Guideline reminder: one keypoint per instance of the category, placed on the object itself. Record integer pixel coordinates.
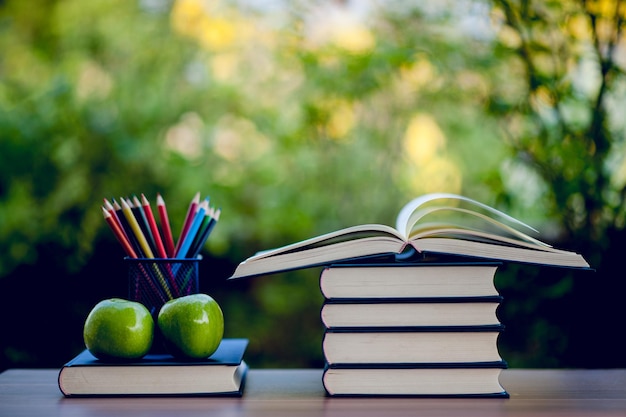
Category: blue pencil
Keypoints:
(199, 243)
(193, 229)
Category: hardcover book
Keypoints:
(419, 345)
(408, 280)
(158, 374)
(411, 312)
(462, 380)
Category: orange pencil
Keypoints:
(191, 214)
(165, 225)
(119, 234)
(153, 227)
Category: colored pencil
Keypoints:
(142, 219)
(191, 212)
(165, 227)
(127, 229)
(192, 230)
(109, 207)
(204, 235)
(130, 252)
(128, 213)
(215, 218)
(160, 249)
(208, 216)
(119, 233)
(132, 221)
(136, 228)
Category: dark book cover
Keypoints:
(409, 300)
(427, 365)
(229, 353)
(416, 329)
(411, 257)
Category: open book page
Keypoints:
(419, 207)
(338, 236)
(485, 250)
(320, 255)
(472, 222)
(451, 231)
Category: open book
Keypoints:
(439, 223)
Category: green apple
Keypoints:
(118, 329)
(192, 326)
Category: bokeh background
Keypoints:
(299, 118)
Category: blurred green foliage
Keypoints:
(301, 119)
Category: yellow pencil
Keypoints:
(132, 221)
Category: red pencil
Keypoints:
(165, 225)
(119, 234)
(191, 214)
(153, 227)
(109, 207)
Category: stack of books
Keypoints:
(411, 329)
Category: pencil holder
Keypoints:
(153, 282)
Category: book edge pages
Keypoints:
(353, 283)
(125, 381)
(406, 382)
(411, 347)
(407, 314)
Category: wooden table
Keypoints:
(299, 392)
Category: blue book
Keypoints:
(222, 374)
